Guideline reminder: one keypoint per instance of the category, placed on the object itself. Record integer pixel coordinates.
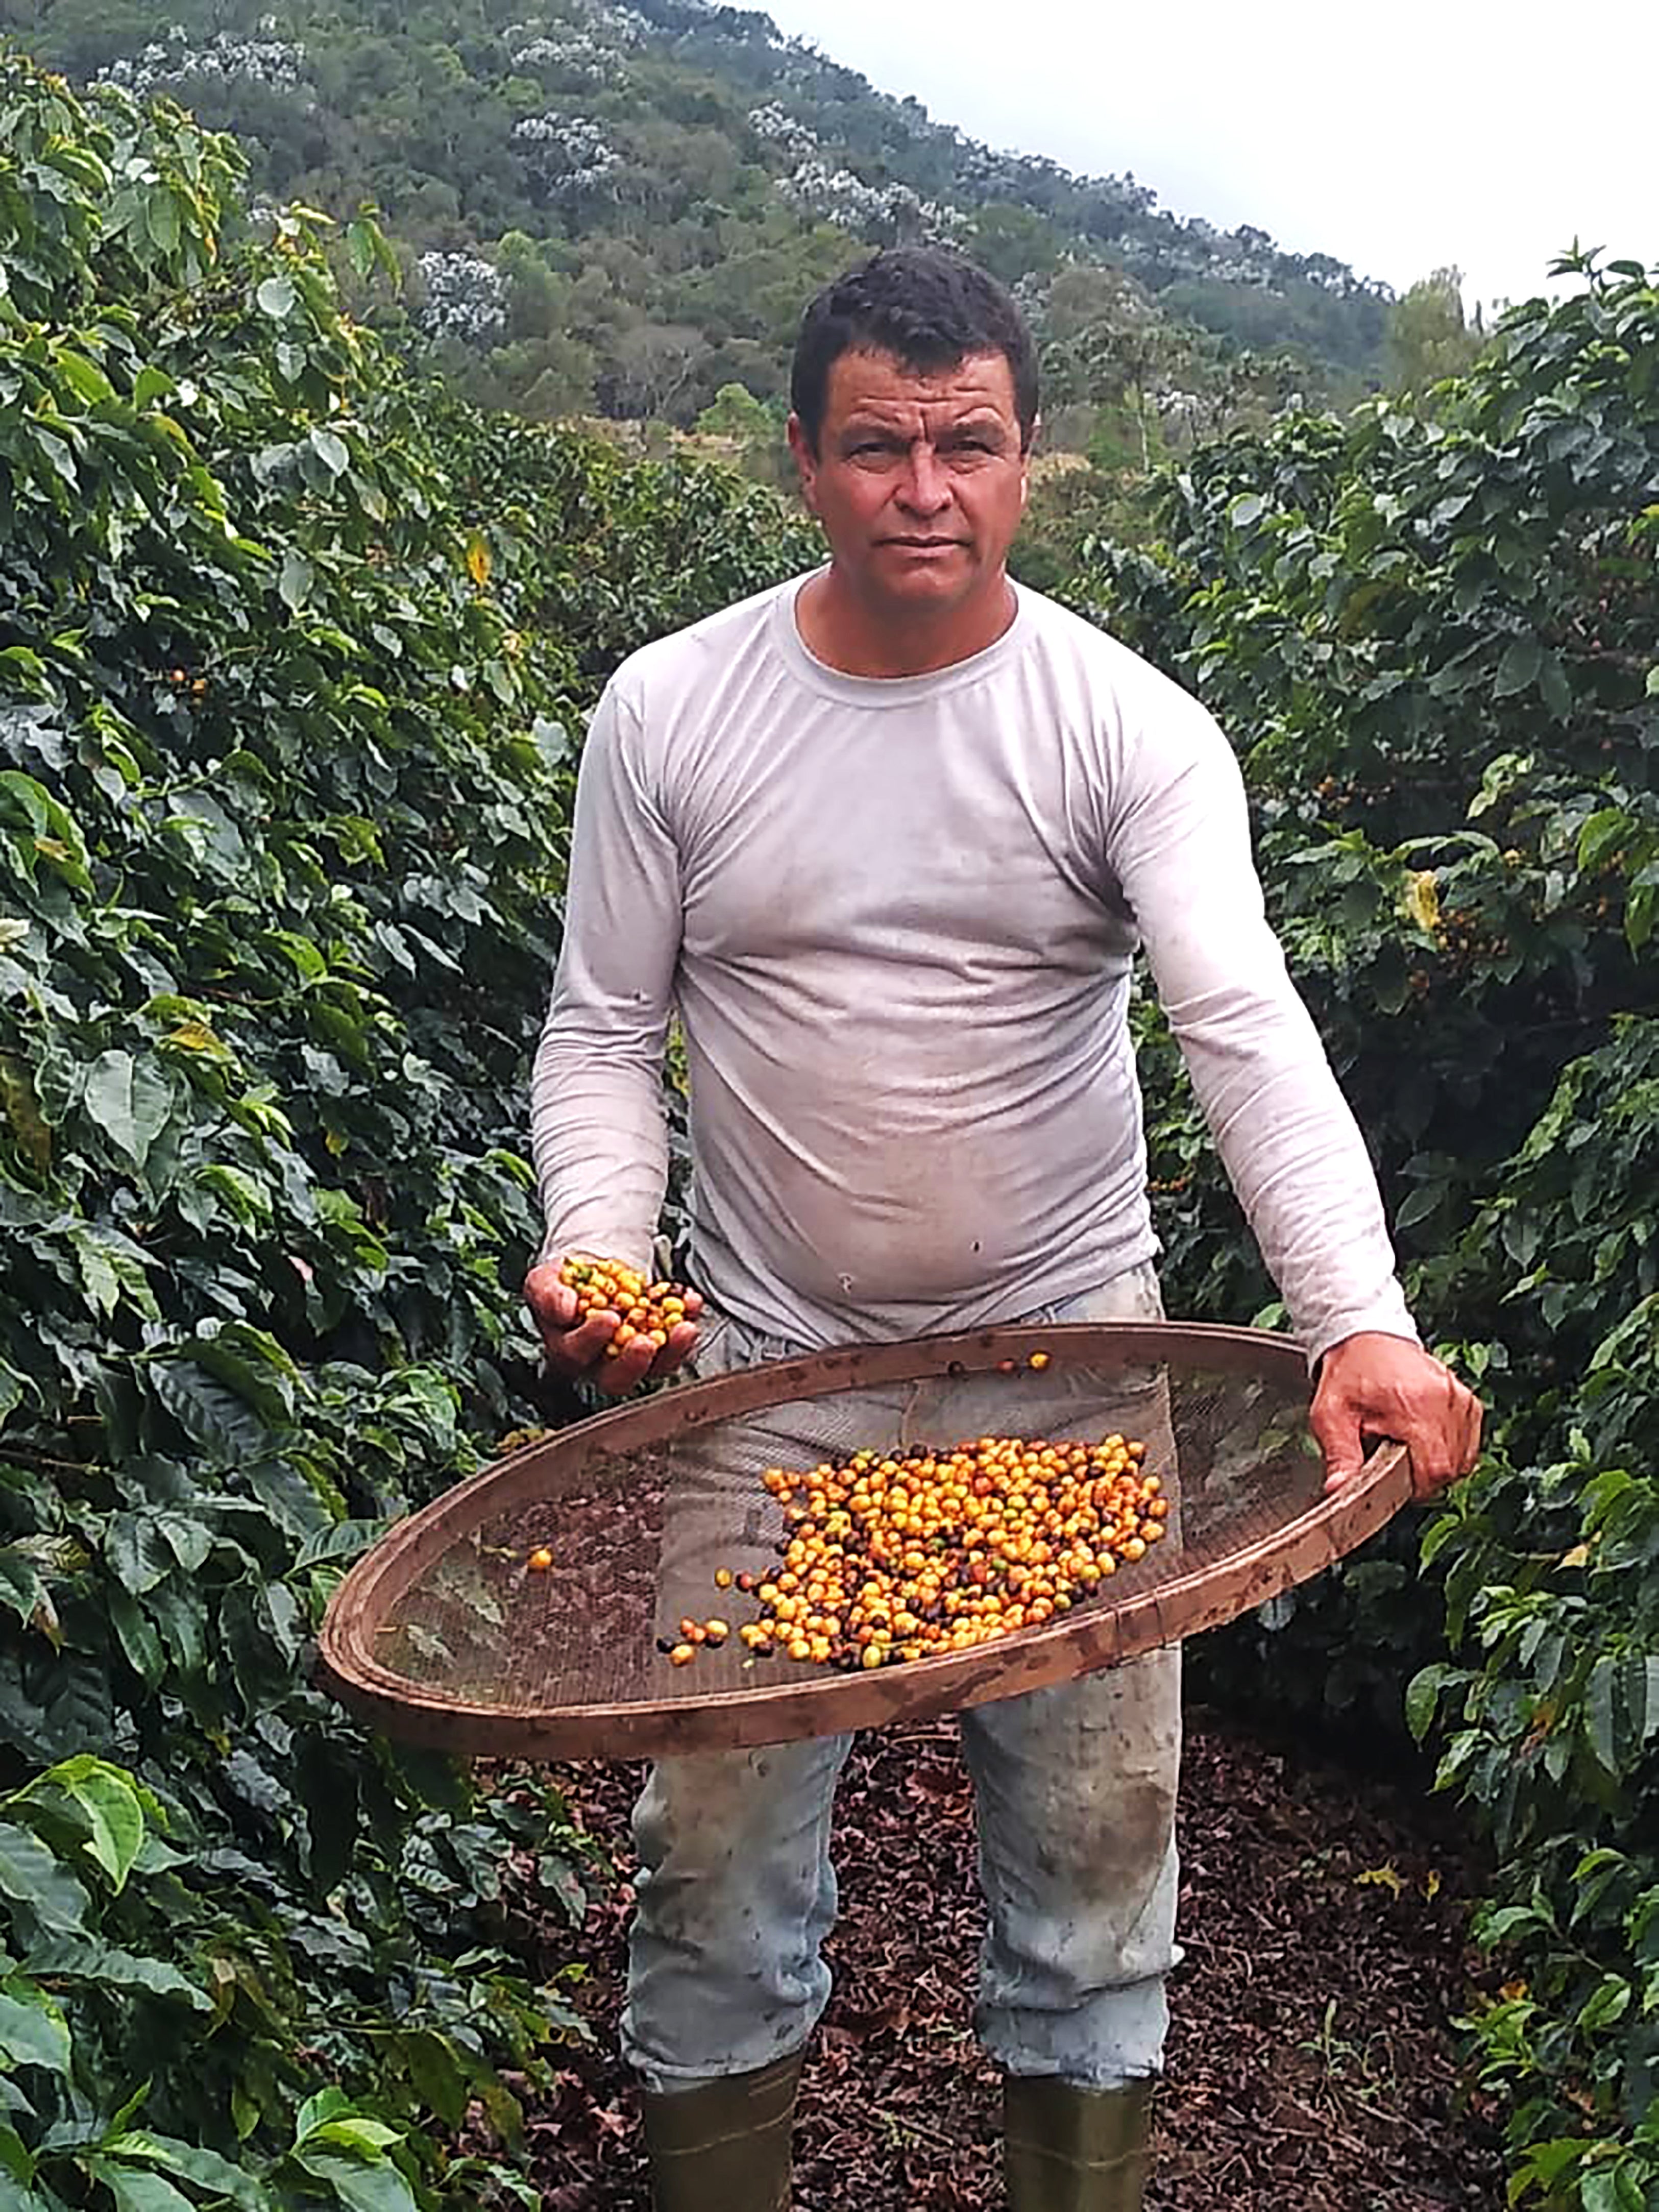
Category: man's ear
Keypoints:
(805, 459)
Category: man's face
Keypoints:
(919, 479)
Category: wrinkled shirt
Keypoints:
(899, 919)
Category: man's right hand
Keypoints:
(574, 1346)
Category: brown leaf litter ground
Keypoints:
(1312, 2063)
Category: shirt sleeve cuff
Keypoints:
(1387, 1317)
(635, 1247)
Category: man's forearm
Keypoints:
(1295, 1157)
(597, 1130)
(599, 1139)
(1285, 1133)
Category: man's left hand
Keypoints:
(1379, 1386)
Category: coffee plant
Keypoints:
(294, 657)
(1433, 644)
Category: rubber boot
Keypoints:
(1067, 2149)
(724, 2145)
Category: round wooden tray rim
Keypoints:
(781, 1710)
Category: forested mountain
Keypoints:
(616, 209)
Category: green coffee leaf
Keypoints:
(16, 2159)
(251, 1363)
(193, 2163)
(83, 377)
(110, 1805)
(436, 2075)
(32, 2029)
(137, 1552)
(320, 2107)
(295, 582)
(277, 297)
(33, 1875)
(1519, 667)
(135, 2188)
(357, 2186)
(15, 2197)
(1606, 2005)
(1599, 1718)
(112, 1268)
(162, 220)
(1609, 2189)
(21, 1590)
(111, 1967)
(217, 1418)
(364, 2138)
(129, 1100)
(331, 451)
(137, 1635)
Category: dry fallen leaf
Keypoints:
(1383, 1877)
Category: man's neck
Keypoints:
(847, 634)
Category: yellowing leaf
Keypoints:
(196, 1036)
(23, 1112)
(1421, 901)
(478, 560)
(1578, 1557)
(1383, 1877)
(1432, 1882)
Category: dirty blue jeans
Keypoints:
(1074, 1791)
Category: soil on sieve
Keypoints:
(1311, 2061)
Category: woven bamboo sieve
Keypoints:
(444, 1634)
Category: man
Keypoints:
(889, 838)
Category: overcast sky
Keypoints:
(1398, 137)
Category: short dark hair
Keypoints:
(926, 306)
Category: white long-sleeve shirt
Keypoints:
(898, 918)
